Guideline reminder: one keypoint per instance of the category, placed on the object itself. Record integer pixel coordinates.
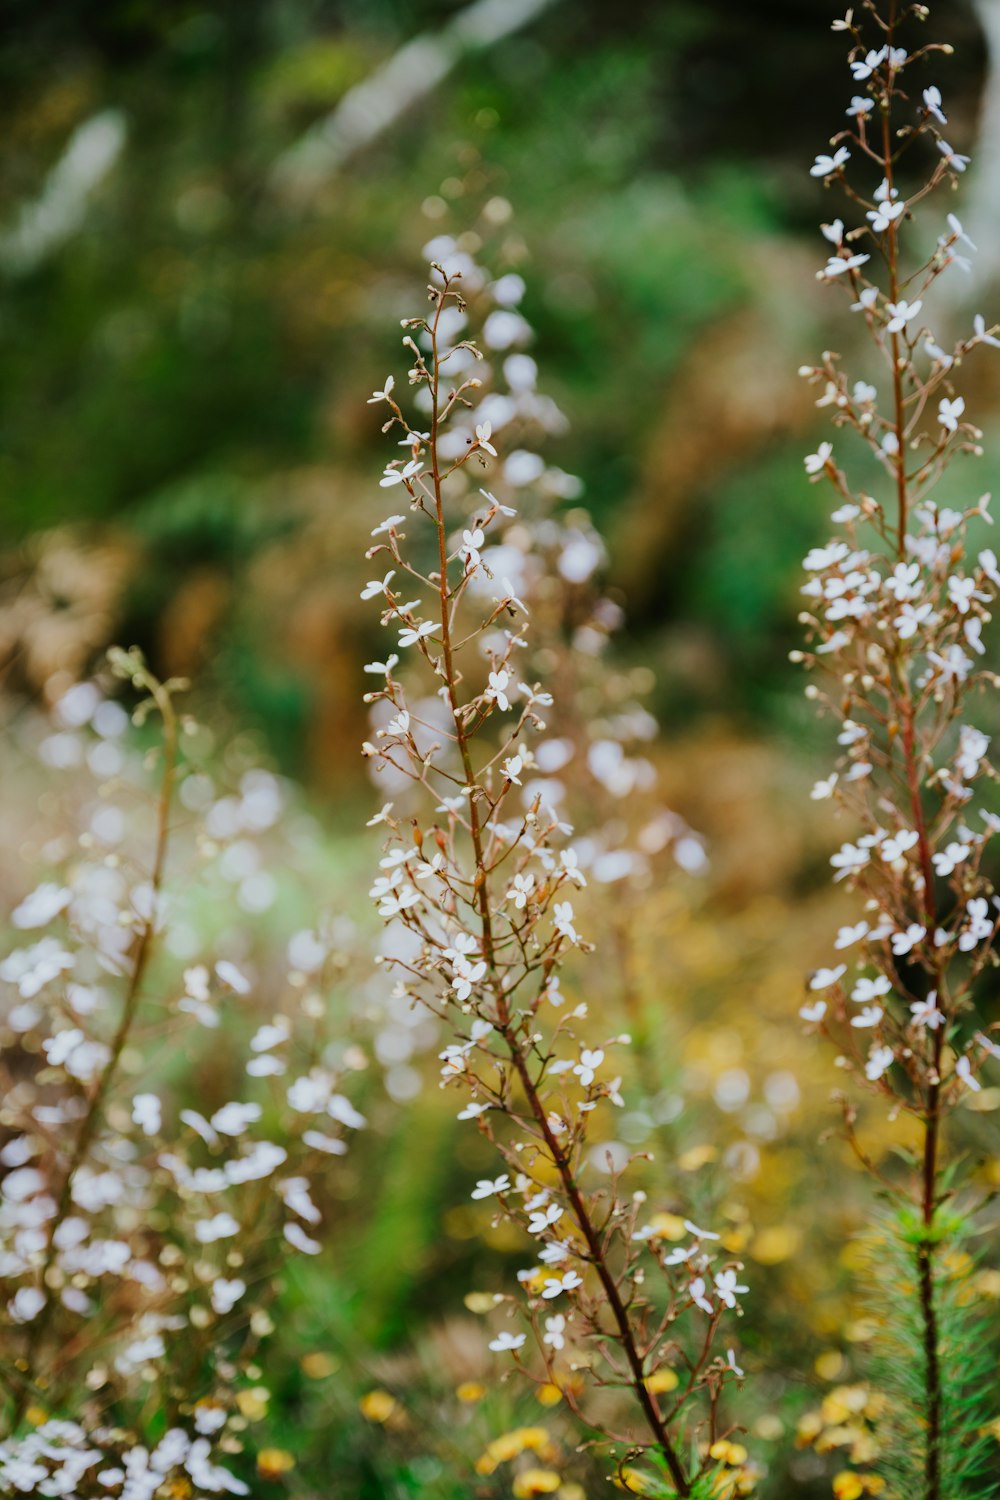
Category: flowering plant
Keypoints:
(140, 1239)
(479, 877)
(897, 602)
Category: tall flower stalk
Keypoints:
(476, 879)
(897, 604)
(140, 1239)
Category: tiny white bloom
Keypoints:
(486, 1187)
(506, 1341)
(384, 393)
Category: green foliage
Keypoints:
(967, 1350)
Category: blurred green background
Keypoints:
(199, 287)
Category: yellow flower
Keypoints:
(667, 1227)
(36, 1415)
(273, 1462)
(725, 1452)
(847, 1486)
(377, 1406)
(549, 1394)
(632, 1480)
(536, 1482)
(253, 1402)
(663, 1381)
(510, 1444)
(318, 1366)
(469, 1391)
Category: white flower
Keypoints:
(950, 411)
(816, 462)
(297, 1237)
(555, 1329)
(542, 1219)
(384, 393)
(731, 1362)
(868, 989)
(520, 890)
(905, 942)
(814, 1012)
(497, 687)
(946, 860)
(506, 1341)
(848, 860)
(887, 213)
(972, 748)
(231, 976)
(373, 586)
(696, 1292)
(825, 166)
(848, 936)
(823, 979)
(880, 1059)
(388, 524)
(954, 665)
(590, 1061)
(838, 265)
(146, 1113)
(932, 103)
(700, 1234)
(31, 969)
(565, 1283)
(979, 329)
(562, 921)
(44, 903)
(24, 1307)
(393, 476)
(963, 1070)
(988, 563)
(381, 668)
(893, 848)
(910, 618)
(226, 1294)
(472, 541)
(980, 924)
(863, 67)
(486, 1186)
(233, 1119)
(484, 432)
(414, 633)
(870, 1016)
(512, 768)
(220, 1227)
(961, 591)
(953, 158)
(926, 1012)
(727, 1287)
(901, 313)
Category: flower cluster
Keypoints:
(138, 1233)
(480, 880)
(896, 606)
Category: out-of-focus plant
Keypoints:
(896, 611)
(140, 1240)
(477, 873)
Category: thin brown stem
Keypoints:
(133, 994)
(625, 1333)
